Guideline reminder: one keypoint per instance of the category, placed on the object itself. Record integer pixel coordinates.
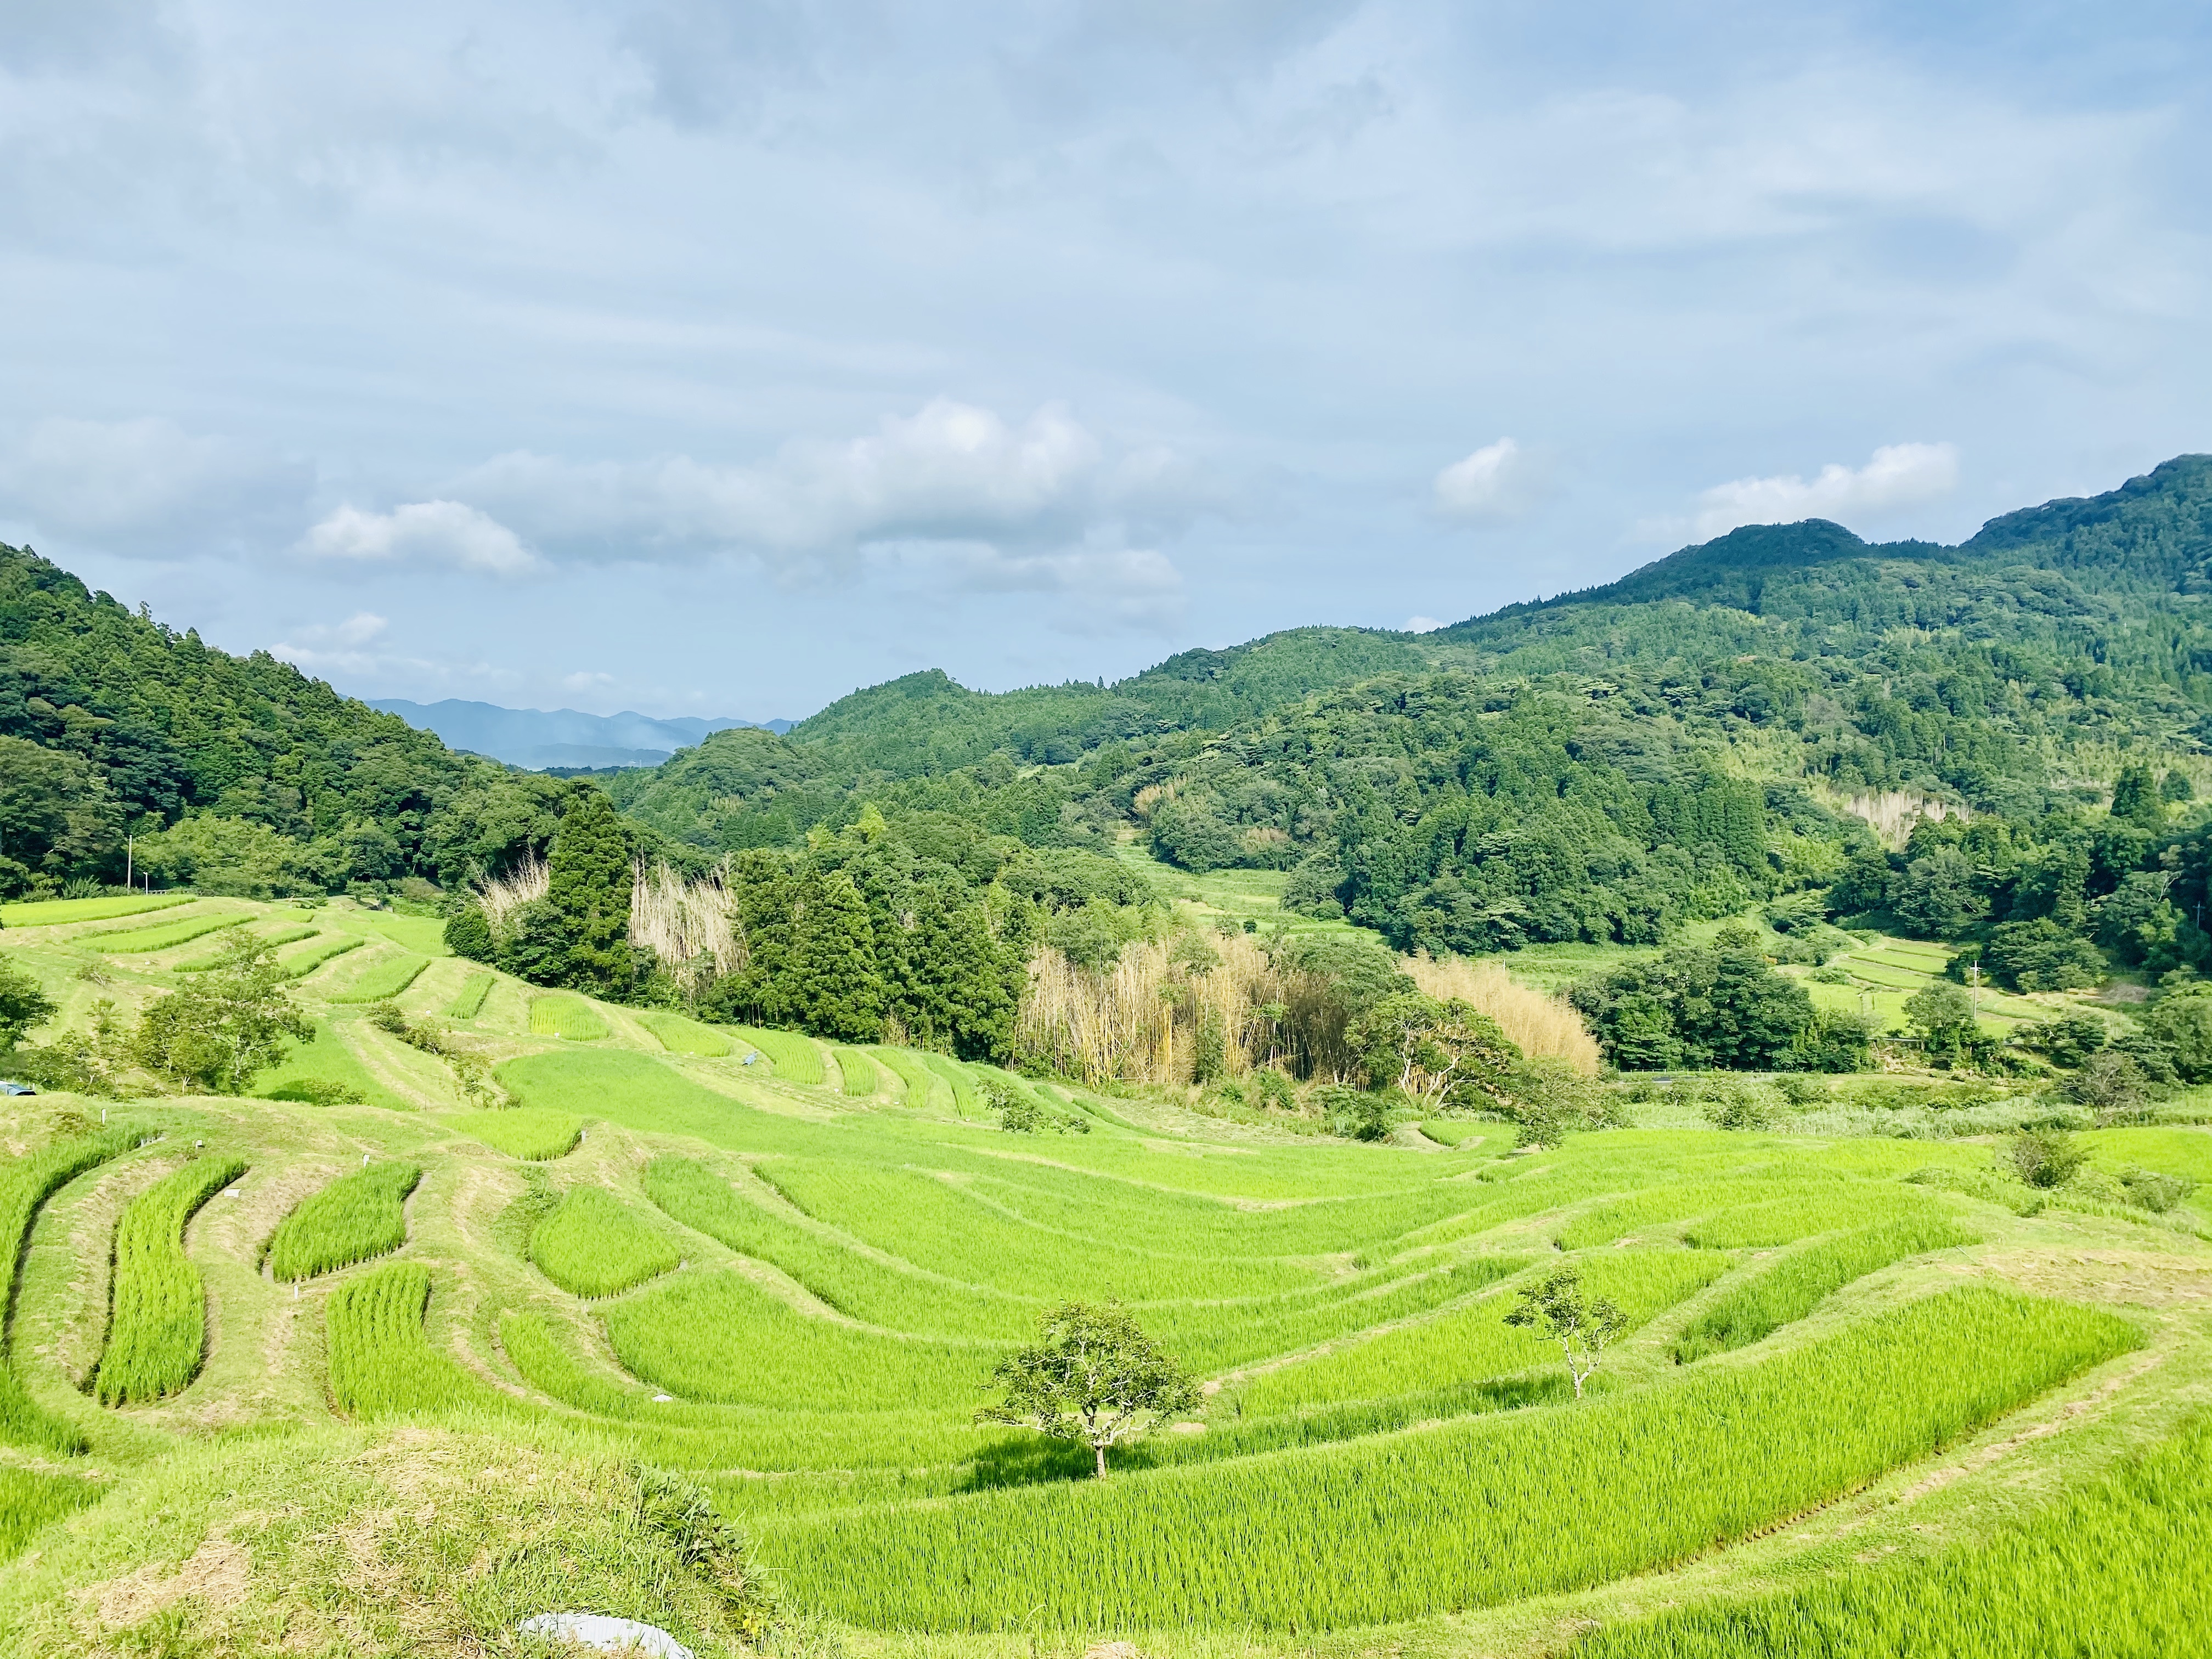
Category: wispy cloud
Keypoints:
(431, 532)
(1898, 476)
(1499, 483)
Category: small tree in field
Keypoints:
(1093, 1376)
(1556, 1309)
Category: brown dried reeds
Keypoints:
(1166, 1007)
(1540, 1023)
(688, 924)
(525, 884)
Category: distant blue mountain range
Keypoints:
(535, 739)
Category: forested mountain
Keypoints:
(239, 771)
(1600, 766)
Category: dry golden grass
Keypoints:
(1145, 1019)
(501, 896)
(1538, 1022)
(689, 925)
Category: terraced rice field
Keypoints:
(795, 1292)
(144, 941)
(468, 1002)
(1886, 971)
(380, 981)
(570, 1018)
(60, 912)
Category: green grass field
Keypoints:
(1866, 1382)
(60, 912)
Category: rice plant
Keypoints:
(469, 1001)
(680, 1035)
(718, 1336)
(856, 1072)
(925, 1089)
(1459, 1131)
(1785, 1221)
(592, 1244)
(1476, 1341)
(571, 1018)
(29, 1498)
(382, 981)
(26, 1183)
(2115, 1568)
(379, 1364)
(281, 936)
(527, 1132)
(157, 1320)
(967, 1099)
(1467, 1514)
(298, 965)
(143, 940)
(357, 1216)
(795, 1058)
(1800, 1280)
(56, 913)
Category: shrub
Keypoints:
(2045, 1157)
(1735, 1106)
(2113, 1086)
(2154, 1190)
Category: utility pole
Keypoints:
(130, 845)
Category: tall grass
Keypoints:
(529, 1132)
(689, 924)
(680, 1035)
(526, 883)
(29, 1498)
(856, 1072)
(26, 1183)
(2115, 1569)
(380, 981)
(1140, 1020)
(1464, 1515)
(591, 1244)
(1803, 1279)
(469, 1001)
(1538, 1022)
(357, 1216)
(571, 1018)
(142, 940)
(157, 1324)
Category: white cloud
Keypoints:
(1499, 482)
(145, 485)
(1899, 475)
(585, 679)
(433, 532)
(1102, 590)
(951, 472)
(1422, 624)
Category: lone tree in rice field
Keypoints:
(227, 1026)
(1093, 1376)
(1555, 1308)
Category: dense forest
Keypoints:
(1749, 726)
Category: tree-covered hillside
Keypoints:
(237, 775)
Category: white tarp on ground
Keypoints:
(599, 1629)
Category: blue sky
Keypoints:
(713, 359)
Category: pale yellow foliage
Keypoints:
(1539, 1023)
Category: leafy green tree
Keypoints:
(2041, 956)
(831, 985)
(226, 1026)
(1444, 1053)
(1550, 1100)
(469, 934)
(2067, 1040)
(1555, 1308)
(1093, 1376)
(2110, 1084)
(589, 886)
(2182, 1021)
(1724, 1009)
(2136, 801)
(1936, 897)
(1944, 1015)
(23, 1004)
